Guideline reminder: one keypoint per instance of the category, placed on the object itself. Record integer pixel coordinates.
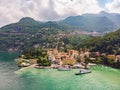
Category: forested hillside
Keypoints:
(29, 33)
(109, 43)
(65, 34)
(103, 22)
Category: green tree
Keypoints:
(43, 61)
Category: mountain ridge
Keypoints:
(28, 32)
(103, 22)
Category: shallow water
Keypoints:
(13, 78)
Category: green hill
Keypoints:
(66, 33)
(102, 22)
(29, 33)
(109, 43)
(29, 25)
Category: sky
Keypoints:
(12, 11)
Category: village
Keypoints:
(70, 59)
(67, 58)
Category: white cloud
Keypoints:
(65, 7)
(12, 10)
(113, 7)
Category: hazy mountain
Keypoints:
(29, 25)
(28, 32)
(102, 22)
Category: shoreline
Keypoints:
(57, 67)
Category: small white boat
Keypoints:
(63, 69)
(39, 67)
(83, 71)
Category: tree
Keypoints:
(43, 61)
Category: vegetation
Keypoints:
(30, 33)
(102, 22)
(43, 61)
(109, 43)
(32, 53)
(69, 62)
(37, 53)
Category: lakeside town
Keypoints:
(53, 58)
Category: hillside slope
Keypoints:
(29, 33)
(103, 22)
(109, 43)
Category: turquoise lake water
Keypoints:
(13, 78)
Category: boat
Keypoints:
(83, 71)
(39, 67)
(63, 69)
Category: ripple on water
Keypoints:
(101, 78)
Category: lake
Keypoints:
(14, 78)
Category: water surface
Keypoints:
(13, 78)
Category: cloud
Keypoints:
(77, 7)
(113, 7)
(44, 10)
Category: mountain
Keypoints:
(27, 33)
(29, 25)
(103, 22)
(28, 20)
(23, 25)
(109, 43)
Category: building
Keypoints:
(117, 59)
(58, 57)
